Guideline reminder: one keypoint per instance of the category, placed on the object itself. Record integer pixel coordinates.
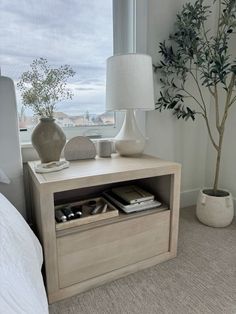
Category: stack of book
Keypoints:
(131, 198)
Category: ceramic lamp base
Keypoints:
(129, 141)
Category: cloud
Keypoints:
(75, 32)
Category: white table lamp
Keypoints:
(129, 87)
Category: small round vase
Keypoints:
(48, 139)
(215, 211)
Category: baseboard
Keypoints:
(189, 198)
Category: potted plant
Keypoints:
(41, 88)
(194, 52)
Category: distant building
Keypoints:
(80, 120)
(65, 120)
(107, 118)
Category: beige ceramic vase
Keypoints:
(215, 211)
(48, 139)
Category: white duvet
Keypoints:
(21, 284)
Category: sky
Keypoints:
(74, 32)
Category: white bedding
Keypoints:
(21, 284)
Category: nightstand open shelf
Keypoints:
(79, 257)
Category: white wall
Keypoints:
(187, 142)
(169, 138)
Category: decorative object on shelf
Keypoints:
(68, 213)
(41, 88)
(88, 211)
(129, 87)
(104, 148)
(48, 139)
(132, 194)
(204, 57)
(59, 216)
(52, 166)
(131, 208)
(79, 147)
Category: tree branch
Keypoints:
(228, 101)
(205, 111)
(204, 114)
(210, 133)
(232, 101)
(207, 40)
(199, 90)
(217, 108)
(190, 95)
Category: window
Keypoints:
(74, 32)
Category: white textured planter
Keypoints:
(215, 211)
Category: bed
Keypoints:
(21, 284)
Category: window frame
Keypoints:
(129, 20)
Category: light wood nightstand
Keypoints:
(85, 256)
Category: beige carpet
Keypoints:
(202, 279)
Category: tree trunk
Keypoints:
(218, 160)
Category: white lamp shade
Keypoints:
(129, 82)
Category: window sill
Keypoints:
(26, 145)
(29, 153)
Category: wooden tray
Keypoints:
(87, 218)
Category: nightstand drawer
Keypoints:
(90, 253)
